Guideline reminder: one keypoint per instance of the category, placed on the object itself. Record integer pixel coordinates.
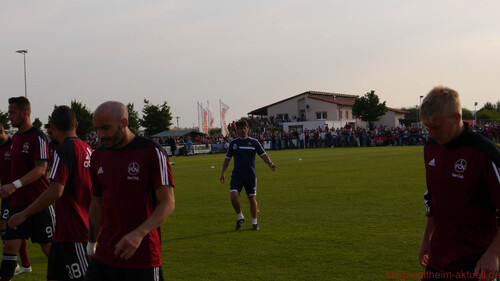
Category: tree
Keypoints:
(467, 114)
(37, 123)
(84, 118)
(411, 112)
(4, 119)
(368, 108)
(488, 106)
(155, 118)
(133, 118)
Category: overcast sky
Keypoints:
(247, 53)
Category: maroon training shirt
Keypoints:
(27, 148)
(463, 196)
(71, 169)
(126, 179)
(5, 162)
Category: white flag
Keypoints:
(223, 110)
(210, 117)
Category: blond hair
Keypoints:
(442, 100)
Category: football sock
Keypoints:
(240, 216)
(23, 253)
(254, 220)
(9, 263)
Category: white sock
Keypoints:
(240, 216)
(254, 220)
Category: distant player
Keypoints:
(133, 192)
(244, 174)
(463, 193)
(29, 156)
(52, 145)
(5, 143)
(69, 189)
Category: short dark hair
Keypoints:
(63, 118)
(22, 103)
(241, 124)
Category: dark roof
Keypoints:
(324, 96)
(177, 133)
(397, 110)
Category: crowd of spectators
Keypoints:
(319, 137)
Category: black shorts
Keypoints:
(5, 210)
(99, 271)
(39, 227)
(67, 261)
(249, 182)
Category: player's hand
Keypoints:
(16, 219)
(222, 178)
(273, 167)
(423, 254)
(127, 246)
(486, 267)
(7, 190)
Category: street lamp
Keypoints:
(25, 85)
(475, 113)
(177, 122)
(419, 107)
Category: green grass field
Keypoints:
(338, 214)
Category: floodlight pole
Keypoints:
(25, 84)
(475, 113)
(419, 107)
(177, 121)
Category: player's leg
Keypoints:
(235, 188)
(251, 190)
(25, 261)
(9, 258)
(42, 228)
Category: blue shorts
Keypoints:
(249, 182)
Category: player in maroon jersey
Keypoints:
(29, 155)
(463, 193)
(52, 145)
(133, 192)
(5, 143)
(70, 191)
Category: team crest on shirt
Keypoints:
(460, 167)
(26, 147)
(235, 147)
(7, 155)
(249, 143)
(133, 170)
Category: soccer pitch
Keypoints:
(337, 214)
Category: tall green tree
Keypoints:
(488, 106)
(155, 118)
(467, 114)
(37, 123)
(368, 107)
(133, 118)
(4, 119)
(84, 118)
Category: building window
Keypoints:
(340, 114)
(347, 115)
(282, 117)
(321, 115)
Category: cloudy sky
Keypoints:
(247, 53)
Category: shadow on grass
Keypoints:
(206, 235)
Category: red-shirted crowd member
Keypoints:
(133, 193)
(463, 192)
(5, 143)
(69, 189)
(29, 155)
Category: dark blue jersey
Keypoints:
(244, 151)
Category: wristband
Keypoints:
(17, 183)
(91, 246)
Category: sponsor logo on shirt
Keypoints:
(7, 155)
(460, 167)
(133, 170)
(432, 162)
(26, 147)
(100, 171)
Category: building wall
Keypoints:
(290, 107)
(390, 119)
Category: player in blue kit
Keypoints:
(244, 174)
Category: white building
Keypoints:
(311, 109)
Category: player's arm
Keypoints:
(127, 246)
(34, 174)
(423, 253)
(95, 219)
(225, 165)
(489, 260)
(268, 161)
(47, 198)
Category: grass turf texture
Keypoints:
(338, 214)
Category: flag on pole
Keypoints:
(223, 110)
(203, 114)
(210, 117)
